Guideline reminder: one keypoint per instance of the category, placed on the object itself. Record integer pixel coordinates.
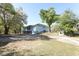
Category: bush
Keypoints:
(69, 33)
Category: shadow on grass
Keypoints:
(76, 35)
(3, 43)
(5, 39)
(44, 37)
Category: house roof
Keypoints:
(40, 25)
(31, 26)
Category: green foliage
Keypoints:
(17, 22)
(67, 21)
(48, 16)
(11, 19)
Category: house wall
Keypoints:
(38, 29)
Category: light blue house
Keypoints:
(39, 28)
(34, 29)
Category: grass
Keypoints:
(40, 48)
(43, 47)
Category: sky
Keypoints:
(32, 10)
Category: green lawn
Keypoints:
(40, 47)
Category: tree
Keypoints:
(18, 20)
(48, 16)
(6, 11)
(1, 26)
(12, 19)
(67, 21)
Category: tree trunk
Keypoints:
(49, 28)
(20, 30)
(6, 30)
(15, 31)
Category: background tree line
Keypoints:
(65, 21)
(12, 20)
